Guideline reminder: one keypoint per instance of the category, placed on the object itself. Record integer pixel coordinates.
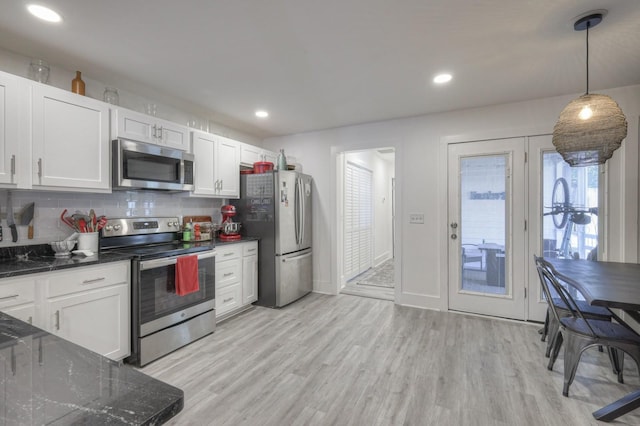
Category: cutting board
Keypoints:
(207, 232)
(195, 219)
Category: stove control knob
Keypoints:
(176, 224)
(116, 227)
(108, 228)
(170, 224)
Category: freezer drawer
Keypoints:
(293, 276)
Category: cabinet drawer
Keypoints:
(250, 248)
(228, 299)
(16, 292)
(230, 251)
(88, 278)
(228, 273)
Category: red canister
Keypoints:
(262, 166)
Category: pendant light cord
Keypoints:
(588, 25)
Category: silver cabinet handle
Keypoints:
(160, 132)
(13, 296)
(251, 249)
(30, 320)
(58, 320)
(40, 169)
(13, 166)
(228, 254)
(95, 280)
(227, 300)
(228, 274)
(221, 184)
(155, 133)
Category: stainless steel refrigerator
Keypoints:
(276, 207)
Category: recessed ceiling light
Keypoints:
(442, 78)
(262, 114)
(44, 13)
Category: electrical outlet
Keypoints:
(416, 217)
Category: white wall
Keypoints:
(421, 179)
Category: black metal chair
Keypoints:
(582, 333)
(551, 325)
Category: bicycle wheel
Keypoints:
(560, 203)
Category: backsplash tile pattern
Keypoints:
(50, 204)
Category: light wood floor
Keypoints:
(347, 360)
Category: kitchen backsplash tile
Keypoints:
(49, 206)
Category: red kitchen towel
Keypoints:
(187, 275)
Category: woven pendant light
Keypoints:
(591, 127)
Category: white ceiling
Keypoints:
(321, 64)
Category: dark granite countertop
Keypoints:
(243, 240)
(25, 260)
(47, 380)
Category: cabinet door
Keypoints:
(26, 313)
(270, 156)
(173, 135)
(203, 147)
(227, 167)
(250, 154)
(8, 128)
(70, 140)
(97, 320)
(249, 279)
(135, 126)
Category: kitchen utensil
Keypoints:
(26, 218)
(92, 221)
(10, 219)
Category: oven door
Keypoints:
(159, 306)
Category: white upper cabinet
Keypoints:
(250, 154)
(133, 125)
(217, 165)
(203, 147)
(227, 167)
(9, 128)
(70, 140)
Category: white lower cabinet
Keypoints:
(17, 298)
(236, 277)
(250, 272)
(89, 305)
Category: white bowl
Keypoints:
(62, 248)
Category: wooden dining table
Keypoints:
(612, 285)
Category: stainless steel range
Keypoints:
(162, 321)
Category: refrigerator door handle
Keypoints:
(302, 207)
(296, 213)
(302, 256)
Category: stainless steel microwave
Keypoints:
(138, 165)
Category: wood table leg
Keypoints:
(618, 408)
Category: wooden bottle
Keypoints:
(77, 85)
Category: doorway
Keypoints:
(509, 199)
(366, 204)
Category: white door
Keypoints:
(564, 208)
(487, 199)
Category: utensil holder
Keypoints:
(88, 241)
